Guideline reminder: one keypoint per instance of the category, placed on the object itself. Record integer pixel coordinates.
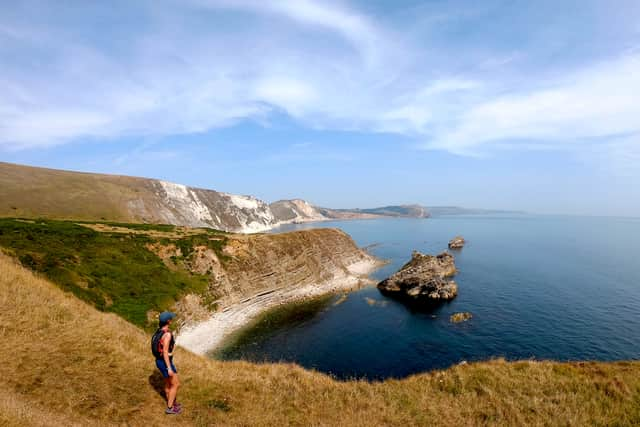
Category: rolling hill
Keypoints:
(32, 192)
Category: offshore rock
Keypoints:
(423, 279)
(460, 317)
(456, 243)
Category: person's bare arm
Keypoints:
(166, 340)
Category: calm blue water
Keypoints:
(538, 287)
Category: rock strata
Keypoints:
(456, 243)
(423, 279)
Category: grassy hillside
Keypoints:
(67, 195)
(65, 363)
(113, 268)
(136, 270)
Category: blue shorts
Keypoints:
(163, 367)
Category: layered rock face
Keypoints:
(256, 272)
(423, 279)
(268, 262)
(256, 264)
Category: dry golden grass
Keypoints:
(177, 232)
(67, 195)
(64, 363)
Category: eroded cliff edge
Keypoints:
(138, 270)
(253, 273)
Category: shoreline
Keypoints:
(206, 336)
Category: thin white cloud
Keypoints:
(354, 27)
(292, 94)
(185, 69)
(596, 102)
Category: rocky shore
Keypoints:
(204, 337)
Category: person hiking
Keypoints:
(162, 344)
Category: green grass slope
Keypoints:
(113, 270)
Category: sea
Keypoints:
(538, 287)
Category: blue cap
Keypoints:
(165, 316)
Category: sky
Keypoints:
(523, 105)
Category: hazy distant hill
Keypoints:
(299, 211)
(405, 211)
(456, 210)
(296, 210)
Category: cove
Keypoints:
(544, 287)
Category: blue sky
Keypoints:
(496, 104)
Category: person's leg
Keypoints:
(173, 390)
(177, 385)
(167, 387)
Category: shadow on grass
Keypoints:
(156, 381)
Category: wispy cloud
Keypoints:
(187, 67)
(595, 102)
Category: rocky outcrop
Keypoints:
(423, 279)
(460, 317)
(456, 243)
(194, 207)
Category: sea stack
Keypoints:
(423, 279)
(456, 243)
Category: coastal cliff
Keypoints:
(247, 265)
(137, 270)
(262, 271)
(32, 192)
